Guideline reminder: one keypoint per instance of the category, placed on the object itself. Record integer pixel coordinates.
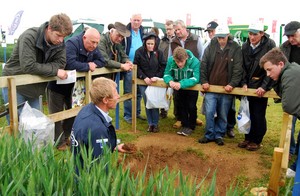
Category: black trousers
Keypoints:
(187, 105)
(258, 107)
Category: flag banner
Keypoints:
(274, 23)
(229, 20)
(261, 20)
(15, 23)
(188, 19)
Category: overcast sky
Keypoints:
(241, 12)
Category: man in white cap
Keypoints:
(221, 65)
(257, 44)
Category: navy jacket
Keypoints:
(77, 59)
(91, 123)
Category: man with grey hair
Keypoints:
(131, 44)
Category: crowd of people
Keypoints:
(180, 58)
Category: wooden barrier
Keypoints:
(280, 156)
(13, 81)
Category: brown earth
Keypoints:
(158, 150)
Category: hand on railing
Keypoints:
(92, 66)
(127, 66)
(62, 74)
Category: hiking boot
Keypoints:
(243, 144)
(177, 125)
(150, 128)
(219, 141)
(187, 131)
(253, 146)
(155, 129)
(230, 133)
(204, 140)
(128, 121)
(199, 122)
(163, 113)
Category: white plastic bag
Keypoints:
(243, 118)
(156, 97)
(78, 95)
(36, 127)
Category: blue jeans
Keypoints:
(127, 86)
(293, 143)
(152, 114)
(33, 102)
(220, 104)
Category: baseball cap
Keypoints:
(291, 28)
(256, 27)
(121, 28)
(222, 31)
(211, 26)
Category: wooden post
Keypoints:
(13, 105)
(88, 82)
(285, 138)
(285, 123)
(280, 156)
(134, 97)
(273, 188)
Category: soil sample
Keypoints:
(130, 148)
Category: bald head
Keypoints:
(91, 38)
(92, 33)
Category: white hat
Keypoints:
(256, 27)
(222, 31)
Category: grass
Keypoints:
(30, 171)
(197, 152)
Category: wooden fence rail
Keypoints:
(280, 156)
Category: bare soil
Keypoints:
(158, 150)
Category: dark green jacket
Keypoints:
(31, 55)
(105, 46)
(287, 87)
